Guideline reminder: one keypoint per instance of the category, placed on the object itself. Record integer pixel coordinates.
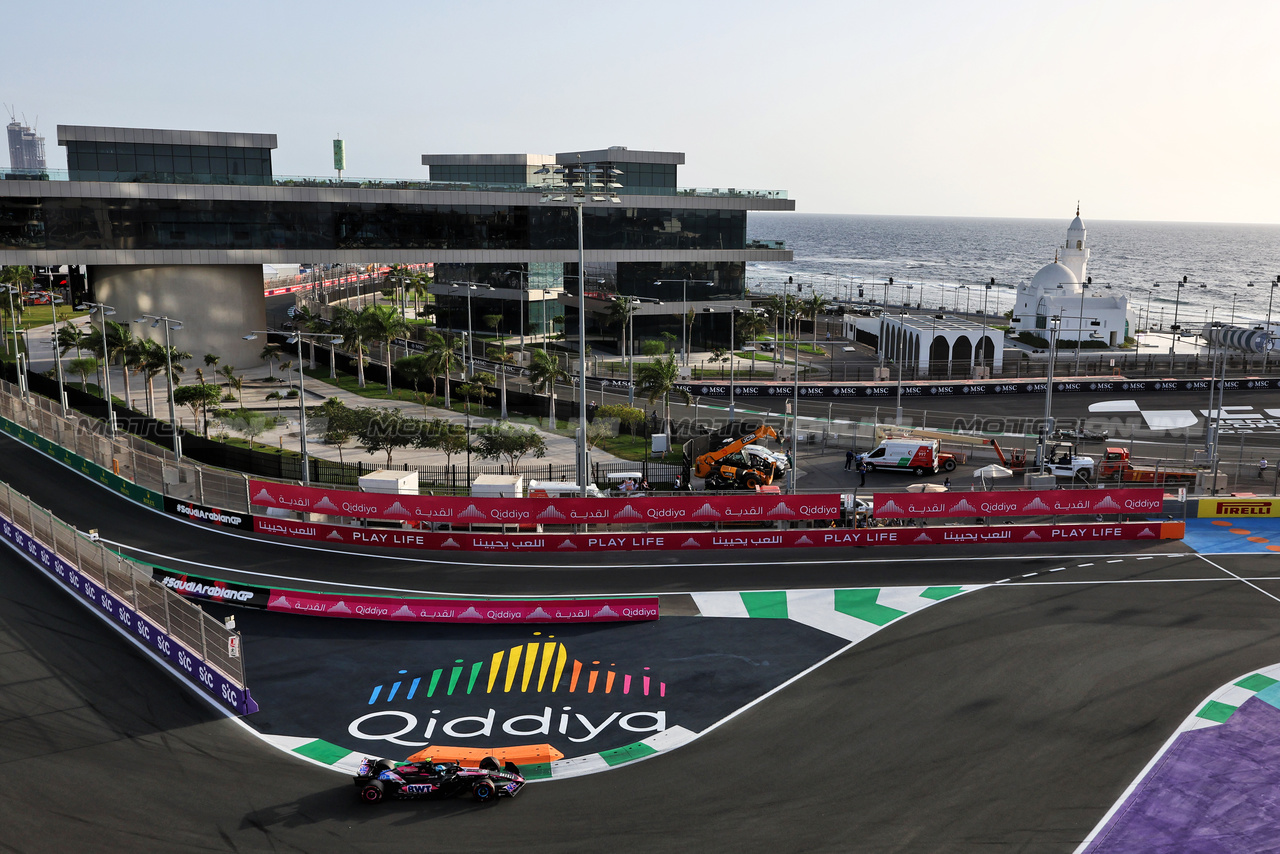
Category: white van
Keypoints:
(559, 489)
(918, 456)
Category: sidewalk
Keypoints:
(259, 382)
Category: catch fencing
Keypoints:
(48, 539)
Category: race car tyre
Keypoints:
(372, 792)
(949, 465)
(485, 792)
(489, 764)
(918, 471)
(383, 765)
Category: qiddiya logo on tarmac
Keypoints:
(541, 674)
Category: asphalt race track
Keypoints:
(1007, 719)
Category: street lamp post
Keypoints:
(1270, 299)
(57, 358)
(684, 312)
(1084, 286)
(1055, 324)
(1174, 328)
(584, 178)
(471, 355)
(103, 312)
(902, 328)
(296, 338)
(174, 325)
(633, 302)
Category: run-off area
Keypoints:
(391, 690)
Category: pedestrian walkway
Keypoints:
(262, 381)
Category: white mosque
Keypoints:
(1064, 289)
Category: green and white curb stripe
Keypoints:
(853, 614)
(1217, 709)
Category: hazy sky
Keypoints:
(1161, 110)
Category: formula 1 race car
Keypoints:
(381, 778)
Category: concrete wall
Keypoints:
(218, 304)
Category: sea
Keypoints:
(948, 261)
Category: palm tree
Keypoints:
(119, 339)
(271, 352)
(441, 358)
(418, 370)
(383, 323)
(84, 365)
(658, 379)
(419, 282)
(151, 364)
(15, 276)
(750, 326)
(776, 308)
(619, 315)
(503, 358)
(345, 323)
(228, 373)
(70, 337)
(815, 304)
(544, 373)
(306, 320)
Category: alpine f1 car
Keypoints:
(381, 778)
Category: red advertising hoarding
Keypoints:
(543, 511)
(1040, 502)
(614, 541)
(475, 612)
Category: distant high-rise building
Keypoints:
(26, 150)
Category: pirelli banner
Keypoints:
(1041, 502)
(1238, 508)
(542, 511)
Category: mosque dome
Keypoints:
(1076, 224)
(1050, 276)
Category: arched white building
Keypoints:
(1063, 288)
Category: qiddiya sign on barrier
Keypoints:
(675, 541)
(464, 611)
(542, 511)
(1041, 502)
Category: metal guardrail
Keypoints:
(182, 620)
(130, 457)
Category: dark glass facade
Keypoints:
(167, 164)
(509, 174)
(96, 223)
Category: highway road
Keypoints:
(1008, 719)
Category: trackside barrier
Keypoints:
(1039, 502)
(199, 646)
(403, 609)
(1240, 507)
(967, 388)
(551, 511)
(137, 469)
(674, 541)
